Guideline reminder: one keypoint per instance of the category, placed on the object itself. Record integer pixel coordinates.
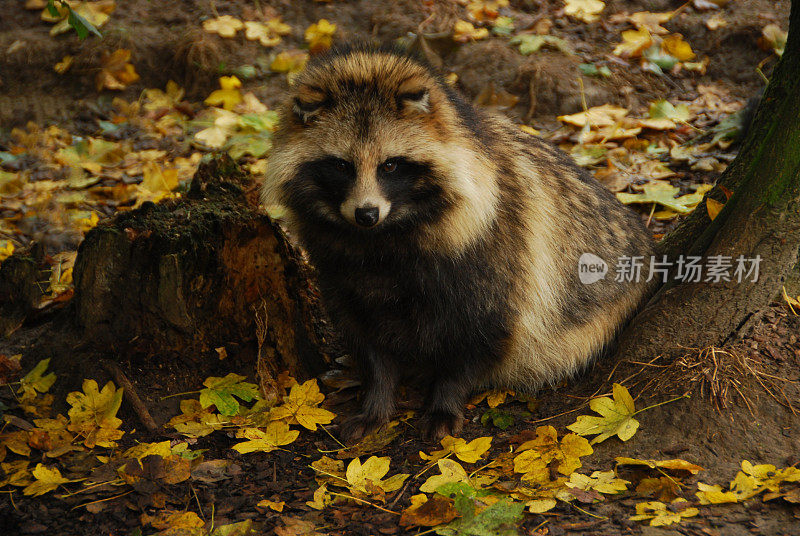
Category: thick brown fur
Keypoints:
(469, 273)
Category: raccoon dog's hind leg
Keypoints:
(379, 377)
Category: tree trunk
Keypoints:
(761, 219)
(199, 273)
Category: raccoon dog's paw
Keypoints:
(437, 424)
(357, 426)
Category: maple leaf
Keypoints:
(674, 465)
(46, 479)
(599, 481)
(651, 22)
(224, 26)
(531, 43)
(616, 417)
(584, 10)
(364, 478)
(289, 61)
(36, 381)
(93, 414)
(675, 46)
(663, 193)
(228, 96)
(596, 116)
(321, 498)
(426, 512)
(83, 17)
(634, 43)
(16, 473)
(220, 393)
(300, 407)
(52, 436)
(175, 523)
(464, 31)
(268, 34)
(714, 495)
(146, 449)
(276, 435)
(319, 36)
(195, 420)
(660, 514)
(538, 454)
(272, 505)
(450, 471)
(63, 66)
(155, 99)
(466, 452)
(329, 471)
(116, 71)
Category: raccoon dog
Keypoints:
(447, 240)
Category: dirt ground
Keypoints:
(743, 416)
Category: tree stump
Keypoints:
(197, 273)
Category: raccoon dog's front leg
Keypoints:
(444, 405)
(379, 383)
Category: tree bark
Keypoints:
(762, 218)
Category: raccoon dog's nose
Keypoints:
(367, 216)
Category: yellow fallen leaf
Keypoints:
(599, 481)
(466, 452)
(268, 34)
(290, 62)
(36, 380)
(272, 505)
(93, 414)
(450, 471)
(545, 451)
(275, 436)
(714, 495)
(116, 72)
(651, 22)
(464, 31)
(584, 10)
(46, 479)
(97, 13)
(773, 38)
(595, 117)
(319, 36)
(224, 26)
(321, 498)
(714, 207)
(156, 179)
(674, 465)
(675, 46)
(362, 478)
(660, 514)
(299, 406)
(63, 66)
(634, 42)
(616, 417)
(228, 96)
(6, 249)
(793, 303)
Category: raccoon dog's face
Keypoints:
(372, 141)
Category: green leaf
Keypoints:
(500, 419)
(35, 380)
(590, 69)
(52, 9)
(663, 193)
(82, 26)
(530, 43)
(220, 392)
(498, 519)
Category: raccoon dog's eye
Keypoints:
(341, 165)
(389, 166)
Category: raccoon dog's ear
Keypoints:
(308, 103)
(417, 100)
